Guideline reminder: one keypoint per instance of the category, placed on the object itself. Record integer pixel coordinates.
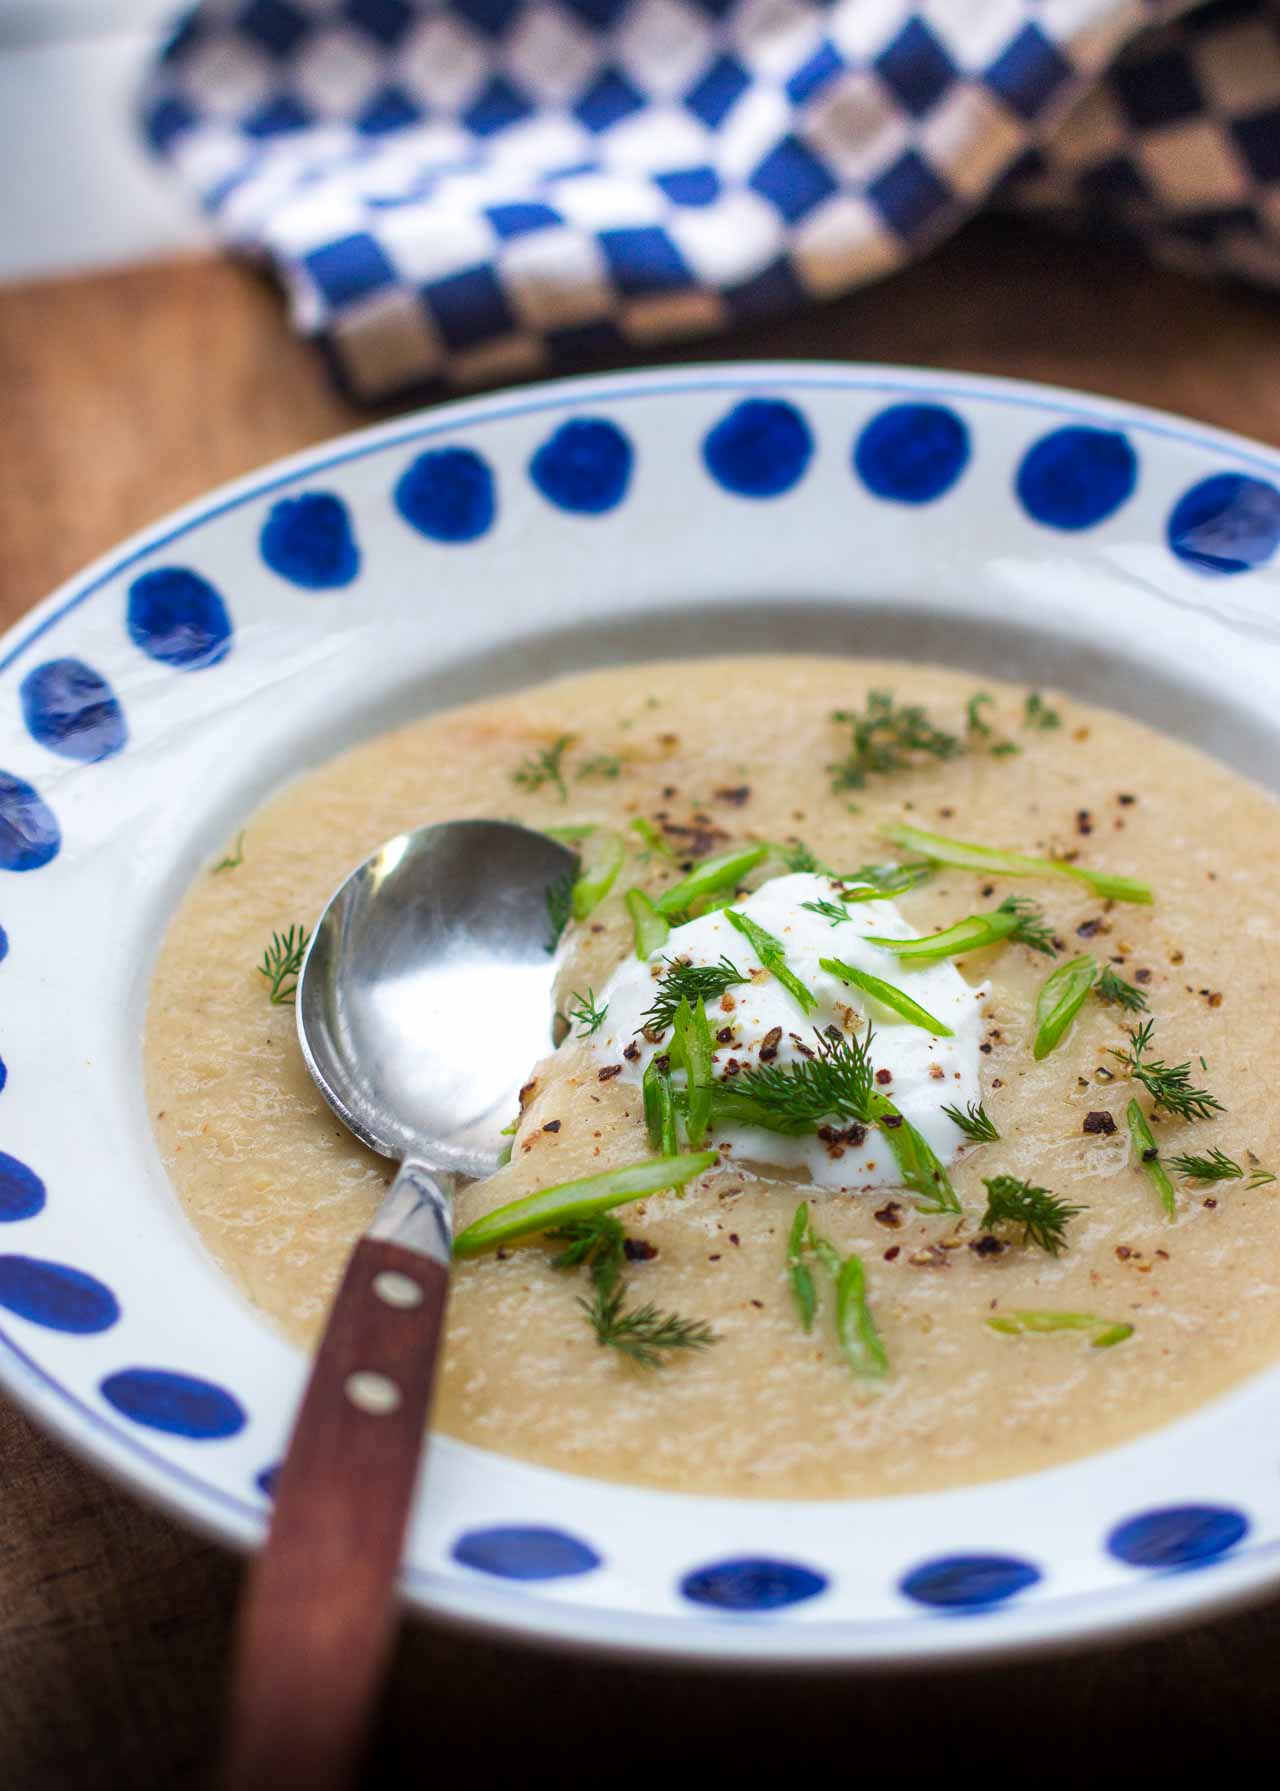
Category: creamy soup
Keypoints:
(1136, 1316)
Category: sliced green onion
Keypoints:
(772, 954)
(691, 1049)
(895, 999)
(651, 928)
(1036, 1323)
(659, 1108)
(974, 933)
(1062, 994)
(600, 865)
(798, 1272)
(855, 1327)
(917, 1165)
(651, 837)
(712, 874)
(1014, 864)
(876, 882)
(579, 1199)
(1148, 1154)
(571, 835)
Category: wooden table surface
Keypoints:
(124, 394)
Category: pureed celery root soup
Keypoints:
(977, 1141)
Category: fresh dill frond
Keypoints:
(1042, 1216)
(643, 1334)
(796, 856)
(590, 1018)
(1036, 713)
(1031, 929)
(1260, 1178)
(888, 736)
(974, 1122)
(694, 983)
(546, 766)
(1113, 989)
(234, 859)
(836, 1083)
(1005, 749)
(597, 1242)
(884, 880)
(831, 911)
(974, 722)
(282, 963)
(602, 767)
(1169, 1085)
(1216, 1167)
(559, 907)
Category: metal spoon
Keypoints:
(424, 999)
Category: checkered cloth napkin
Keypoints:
(465, 190)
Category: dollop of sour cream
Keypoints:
(921, 1074)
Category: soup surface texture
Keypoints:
(715, 754)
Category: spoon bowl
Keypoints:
(426, 991)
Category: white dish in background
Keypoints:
(119, 1334)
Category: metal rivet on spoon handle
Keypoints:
(439, 935)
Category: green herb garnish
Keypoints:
(1016, 919)
(887, 736)
(559, 908)
(1144, 1143)
(919, 1168)
(1036, 713)
(590, 1018)
(1062, 994)
(974, 1123)
(546, 766)
(897, 1000)
(1169, 1085)
(1260, 1178)
(724, 870)
(234, 858)
(651, 928)
(602, 858)
(691, 1051)
(772, 954)
(652, 838)
(282, 964)
(856, 1332)
(991, 861)
(1216, 1167)
(1105, 1332)
(836, 1083)
(831, 911)
(1042, 1216)
(974, 722)
(580, 1199)
(1116, 992)
(796, 856)
(659, 1107)
(695, 983)
(603, 767)
(644, 1335)
(870, 882)
(598, 1242)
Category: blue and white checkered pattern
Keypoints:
(473, 189)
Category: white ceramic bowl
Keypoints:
(1041, 535)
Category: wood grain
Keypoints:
(319, 1606)
(124, 394)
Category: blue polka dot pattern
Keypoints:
(912, 453)
(58, 1297)
(448, 495)
(29, 834)
(1227, 523)
(4, 945)
(72, 710)
(968, 1582)
(512, 1553)
(1075, 478)
(752, 1585)
(4, 1074)
(1177, 1536)
(177, 618)
(179, 1404)
(310, 541)
(585, 467)
(21, 1190)
(266, 1480)
(761, 449)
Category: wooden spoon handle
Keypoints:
(317, 1622)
